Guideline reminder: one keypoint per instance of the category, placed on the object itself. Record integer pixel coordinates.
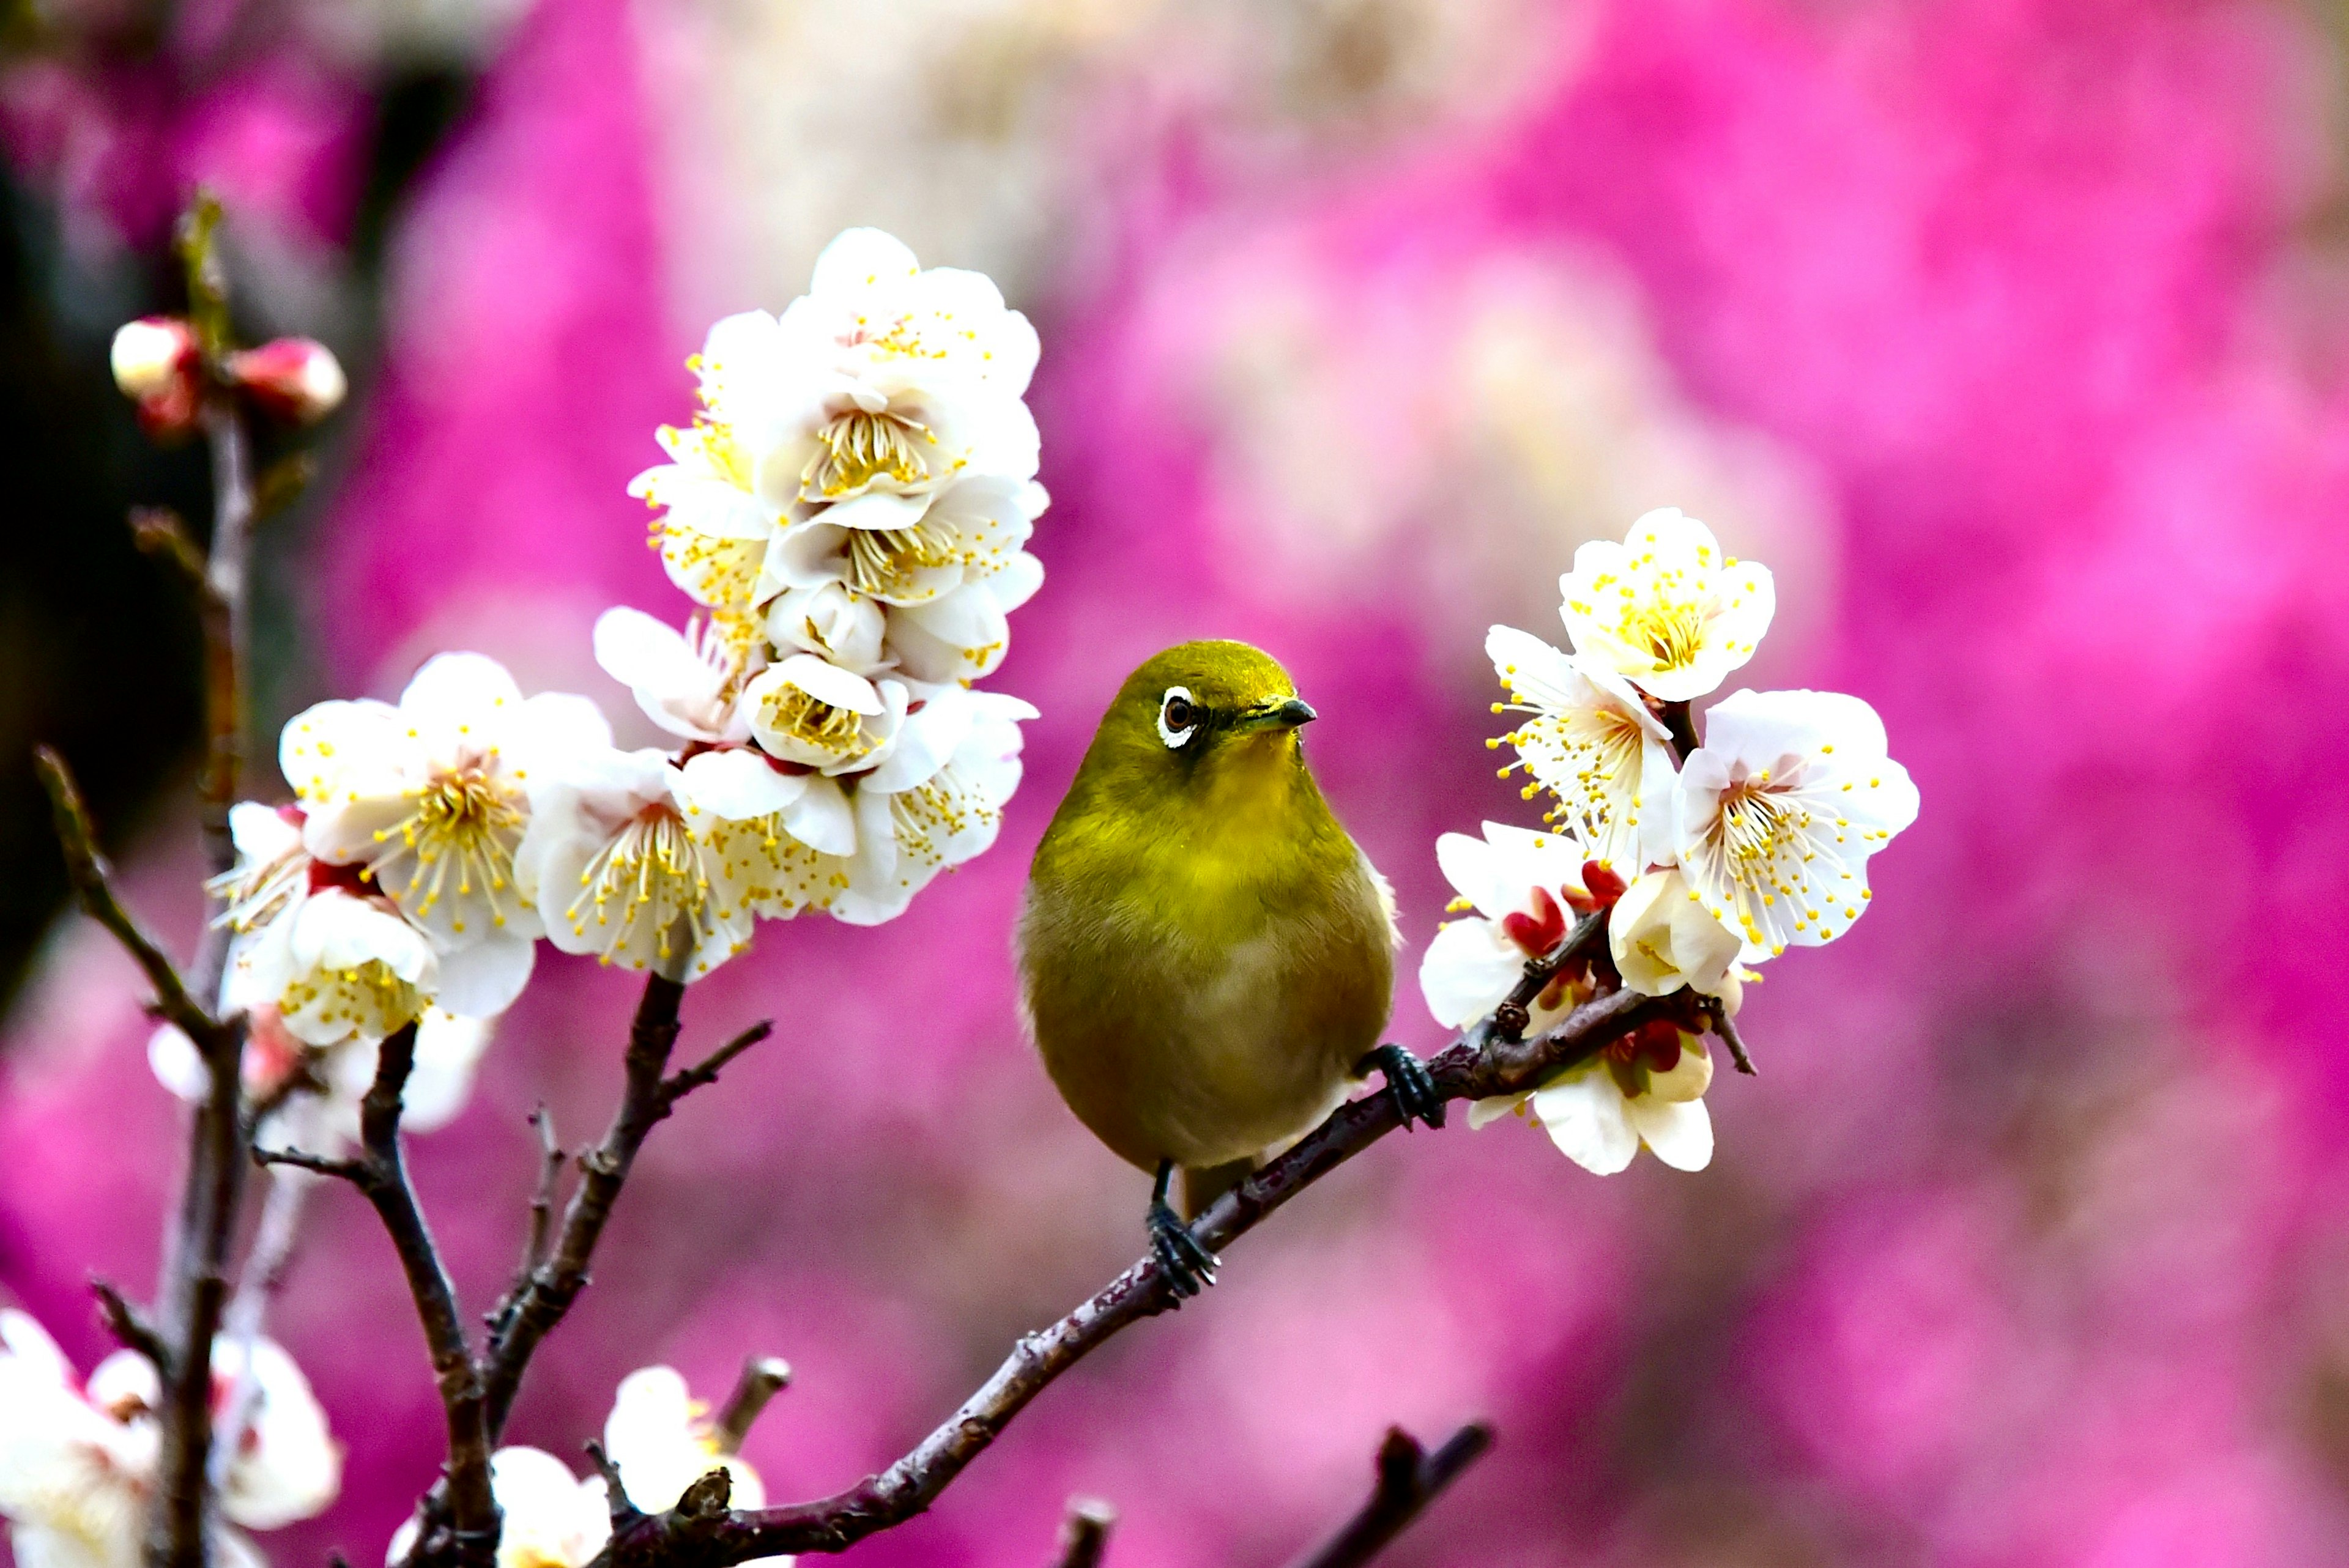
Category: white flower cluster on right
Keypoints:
(1757, 839)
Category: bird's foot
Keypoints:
(1188, 1266)
(1407, 1079)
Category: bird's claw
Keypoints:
(1188, 1267)
(1409, 1081)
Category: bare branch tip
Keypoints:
(131, 1327)
(1084, 1532)
(763, 1378)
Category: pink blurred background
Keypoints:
(2008, 332)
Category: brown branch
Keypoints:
(1719, 1019)
(616, 1494)
(1409, 1479)
(1084, 1532)
(763, 1378)
(86, 865)
(1480, 1063)
(547, 1294)
(678, 1085)
(467, 1513)
(196, 1280)
(131, 1327)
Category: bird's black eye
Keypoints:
(1178, 716)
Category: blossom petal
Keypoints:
(1467, 971)
(1680, 1131)
(483, 978)
(740, 783)
(1584, 1115)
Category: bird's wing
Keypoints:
(1385, 891)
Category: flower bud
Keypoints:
(150, 354)
(297, 379)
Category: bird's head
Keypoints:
(1202, 717)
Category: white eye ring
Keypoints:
(1174, 737)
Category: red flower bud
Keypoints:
(297, 379)
(1605, 886)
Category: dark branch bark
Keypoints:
(129, 1327)
(1084, 1532)
(93, 881)
(542, 1300)
(1484, 1061)
(1727, 1030)
(467, 1512)
(678, 1085)
(1409, 1479)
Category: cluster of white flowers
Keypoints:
(659, 1438)
(1757, 839)
(79, 1460)
(850, 511)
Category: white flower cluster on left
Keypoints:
(79, 1460)
(1757, 839)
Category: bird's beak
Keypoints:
(1288, 714)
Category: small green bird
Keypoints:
(1206, 958)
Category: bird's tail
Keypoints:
(1202, 1185)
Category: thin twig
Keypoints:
(1084, 1532)
(556, 1283)
(1479, 1064)
(616, 1495)
(129, 1327)
(470, 1513)
(678, 1085)
(86, 865)
(763, 1378)
(1727, 1030)
(1409, 1479)
(541, 1202)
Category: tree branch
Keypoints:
(467, 1513)
(93, 880)
(547, 1294)
(1482, 1062)
(763, 1378)
(1084, 1532)
(1409, 1479)
(129, 1327)
(678, 1085)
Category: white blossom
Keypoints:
(1591, 742)
(1776, 814)
(78, 1465)
(1648, 1087)
(833, 622)
(325, 1119)
(548, 1517)
(659, 1437)
(315, 944)
(936, 802)
(808, 711)
(433, 796)
(713, 529)
(685, 681)
(1663, 939)
(628, 864)
(1522, 890)
(1666, 608)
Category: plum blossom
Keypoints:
(1666, 608)
(936, 801)
(316, 945)
(548, 1517)
(1593, 745)
(658, 1436)
(685, 681)
(1776, 814)
(651, 864)
(79, 1464)
(431, 797)
(1523, 889)
(1647, 1087)
(324, 1118)
(806, 711)
(1662, 939)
